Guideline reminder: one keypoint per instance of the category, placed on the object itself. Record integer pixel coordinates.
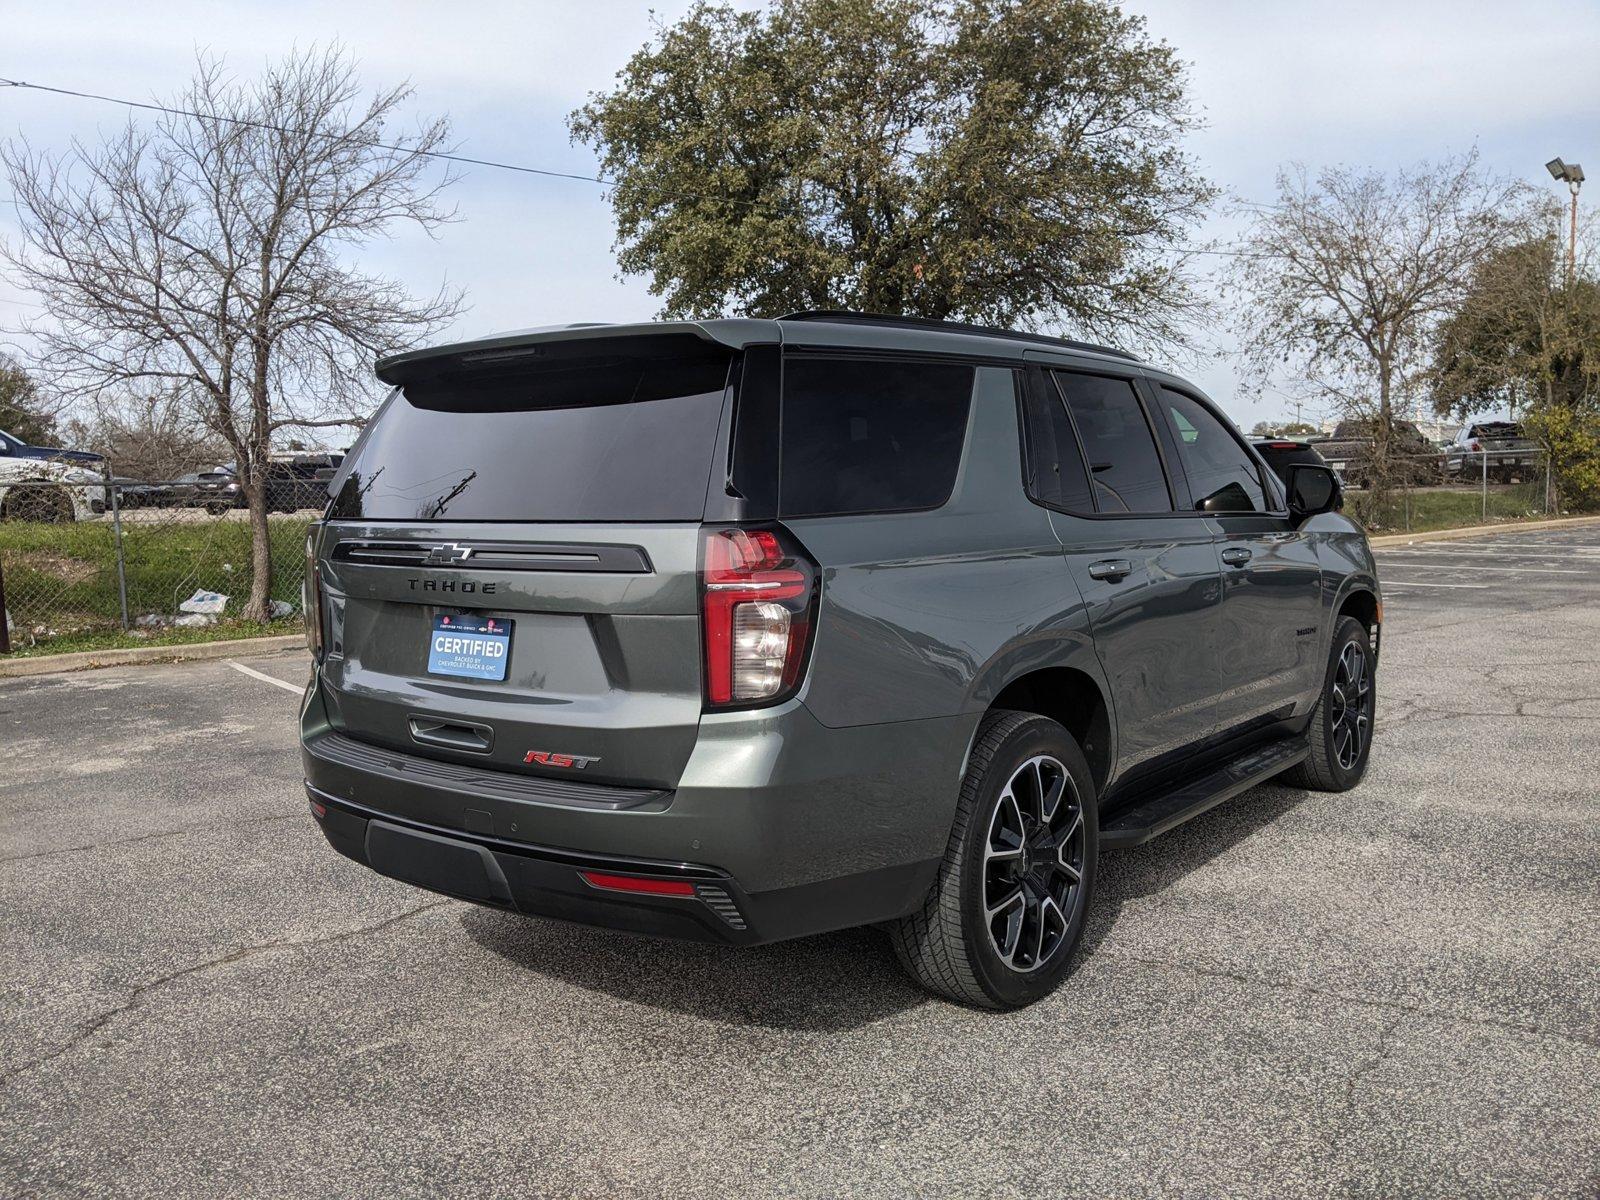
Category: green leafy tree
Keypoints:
(1526, 339)
(1008, 161)
(22, 412)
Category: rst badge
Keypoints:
(548, 758)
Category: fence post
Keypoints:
(122, 566)
(5, 622)
(1547, 483)
(1485, 486)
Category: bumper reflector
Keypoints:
(318, 809)
(632, 883)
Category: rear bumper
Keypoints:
(804, 828)
(549, 882)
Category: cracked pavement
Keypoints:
(1395, 991)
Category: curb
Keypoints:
(84, 660)
(1470, 531)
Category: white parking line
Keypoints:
(1481, 555)
(254, 674)
(1458, 552)
(1411, 583)
(1413, 565)
(1492, 545)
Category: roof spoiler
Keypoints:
(555, 343)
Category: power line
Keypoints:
(460, 158)
(272, 128)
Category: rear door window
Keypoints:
(865, 435)
(1056, 471)
(605, 438)
(1222, 475)
(1123, 461)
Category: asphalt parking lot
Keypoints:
(1395, 991)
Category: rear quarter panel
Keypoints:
(930, 614)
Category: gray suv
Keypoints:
(741, 630)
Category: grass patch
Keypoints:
(116, 639)
(1443, 508)
(61, 580)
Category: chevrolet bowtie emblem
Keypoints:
(452, 553)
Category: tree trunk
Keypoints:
(1382, 441)
(260, 550)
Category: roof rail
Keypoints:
(839, 316)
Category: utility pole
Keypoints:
(1572, 175)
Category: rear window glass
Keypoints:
(870, 436)
(1056, 473)
(1123, 461)
(604, 439)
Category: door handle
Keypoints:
(1110, 569)
(1236, 556)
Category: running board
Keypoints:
(1151, 818)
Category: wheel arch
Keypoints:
(1075, 700)
(1360, 600)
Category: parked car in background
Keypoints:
(294, 482)
(1283, 454)
(1350, 451)
(1499, 448)
(817, 622)
(52, 490)
(15, 448)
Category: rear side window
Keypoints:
(863, 436)
(595, 438)
(1124, 463)
(1056, 472)
(1222, 477)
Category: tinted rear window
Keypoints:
(1123, 461)
(1057, 475)
(601, 439)
(867, 436)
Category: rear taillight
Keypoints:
(311, 596)
(757, 602)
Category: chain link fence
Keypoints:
(141, 558)
(1461, 488)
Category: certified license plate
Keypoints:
(1508, 462)
(469, 647)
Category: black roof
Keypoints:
(834, 316)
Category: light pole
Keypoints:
(1572, 175)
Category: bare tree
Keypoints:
(1339, 285)
(155, 436)
(207, 256)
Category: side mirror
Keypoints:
(1312, 490)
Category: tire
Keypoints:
(46, 504)
(1331, 767)
(1000, 848)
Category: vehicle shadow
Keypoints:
(829, 983)
(1127, 875)
(838, 981)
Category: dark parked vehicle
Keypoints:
(294, 482)
(1284, 454)
(1350, 451)
(741, 630)
(1497, 448)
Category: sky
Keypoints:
(1381, 85)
